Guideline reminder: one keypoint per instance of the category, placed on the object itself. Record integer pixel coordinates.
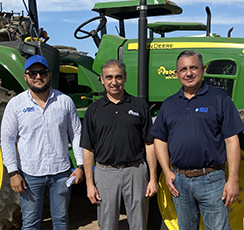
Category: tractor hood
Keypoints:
(166, 27)
(128, 9)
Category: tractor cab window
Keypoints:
(221, 67)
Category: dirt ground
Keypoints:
(83, 214)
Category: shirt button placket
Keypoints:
(187, 107)
(46, 117)
(116, 109)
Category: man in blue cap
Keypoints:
(40, 122)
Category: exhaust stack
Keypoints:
(142, 51)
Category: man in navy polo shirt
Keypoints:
(116, 136)
(196, 131)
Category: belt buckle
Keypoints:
(123, 165)
(128, 164)
(193, 173)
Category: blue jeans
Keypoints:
(31, 201)
(201, 194)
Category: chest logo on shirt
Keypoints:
(29, 109)
(133, 113)
(201, 110)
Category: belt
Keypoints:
(197, 172)
(122, 165)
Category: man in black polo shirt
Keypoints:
(196, 131)
(116, 136)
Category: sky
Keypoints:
(60, 18)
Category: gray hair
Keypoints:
(190, 53)
(113, 62)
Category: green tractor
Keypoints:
(150, 66)
(151, 62)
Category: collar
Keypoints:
(125, 98)
(51, 93)
(203, 90)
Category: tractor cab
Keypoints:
(161, 52)
(121, 11)
(124, 10)
(112, 46)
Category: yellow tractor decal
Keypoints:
(186, 45)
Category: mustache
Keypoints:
(190, 77)
(39, 80)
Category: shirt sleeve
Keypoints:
(232, 123)
(74, 132)
(9, 132)
(148, 138)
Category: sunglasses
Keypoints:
(33, 73)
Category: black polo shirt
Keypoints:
(195, 129)
(117, 132)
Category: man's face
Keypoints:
(113, 80)
(190, 72)
(38, 78)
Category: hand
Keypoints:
(230, 192)
(170, 177)
(79, 173)
(18, 184)
(152, 188)
(93, 194)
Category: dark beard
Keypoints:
(39, 90)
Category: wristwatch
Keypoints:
(11, 174)
(80, 167)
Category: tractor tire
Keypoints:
(10, 215)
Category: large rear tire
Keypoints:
(10, 215)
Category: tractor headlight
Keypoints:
(28, 49)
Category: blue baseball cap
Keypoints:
(35, 59)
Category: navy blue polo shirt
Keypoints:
(117, 132)
(195, 128)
